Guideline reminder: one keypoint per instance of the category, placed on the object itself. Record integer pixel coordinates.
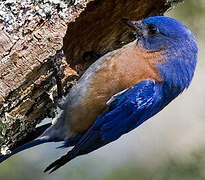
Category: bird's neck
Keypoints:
(179, 67)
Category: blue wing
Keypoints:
(126, 111)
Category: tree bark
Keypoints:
(28, 52)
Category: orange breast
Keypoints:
(123, 69)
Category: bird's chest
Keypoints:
(118, 72)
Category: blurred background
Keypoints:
(170, 146)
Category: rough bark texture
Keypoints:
(27, 82)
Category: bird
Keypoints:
(123, 88)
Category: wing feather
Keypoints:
(127, 110)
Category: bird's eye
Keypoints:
(152, 29)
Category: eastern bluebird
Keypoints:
(123, 88)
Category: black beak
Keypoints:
(136, 25)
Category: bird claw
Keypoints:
(61, 103)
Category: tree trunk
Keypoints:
(37, 35)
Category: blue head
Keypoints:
(176, 44)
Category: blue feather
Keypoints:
(25, 146)
(177, 48)
(126, 112)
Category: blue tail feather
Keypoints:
(28, 145)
